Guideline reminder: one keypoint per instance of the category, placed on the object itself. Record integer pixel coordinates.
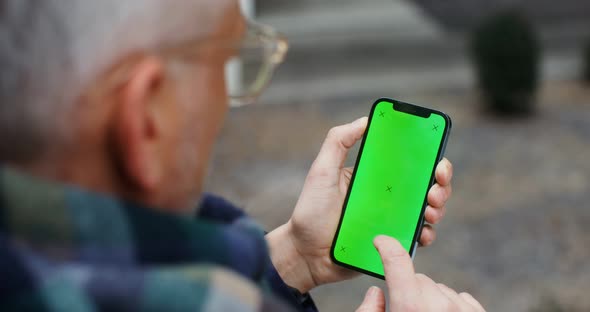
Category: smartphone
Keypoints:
(388, 190)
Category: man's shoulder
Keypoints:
(214, 207)
(41, 285)
(67, 249)
(206, 288)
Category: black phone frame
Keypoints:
(413, 110)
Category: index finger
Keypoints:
(399, 270)
(444, 172)
(338, 142)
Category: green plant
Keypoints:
(587, 62)
(506, 53)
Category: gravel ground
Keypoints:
(515, 234)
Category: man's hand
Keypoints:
(409, 291)
(300, 249)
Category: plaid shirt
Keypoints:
(66, 249)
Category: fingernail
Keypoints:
(359, 120)
(381, 236)
(375, 241)
(372, 292)
(378, 237)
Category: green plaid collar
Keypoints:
(70, 224)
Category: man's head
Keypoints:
(91, 93)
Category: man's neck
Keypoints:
(92, 176)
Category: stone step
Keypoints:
(353, 36)
(398, 81)
(370, 20)
(265, 7)
(384, 47)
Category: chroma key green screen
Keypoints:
(388, 191)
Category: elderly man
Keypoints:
(109, 111)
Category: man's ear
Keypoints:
(135, 131)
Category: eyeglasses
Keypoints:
(250, 62)
(250, 71)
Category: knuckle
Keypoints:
(448, 192)
(393, 258)
(423, 279)
(334, 132)
(469, 298)
(443, 191)
(407, 306)
(448, 305)
(435, 188)
(437, 194)
(432, 199)
(319, 173)
(449, 166)
(439, 215)
(432, 235)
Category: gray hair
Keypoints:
(51, 49)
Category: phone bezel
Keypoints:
(409, 109)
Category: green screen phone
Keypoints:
(387, 195)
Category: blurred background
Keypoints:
(515, 77)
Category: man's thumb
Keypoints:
(374, 301)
